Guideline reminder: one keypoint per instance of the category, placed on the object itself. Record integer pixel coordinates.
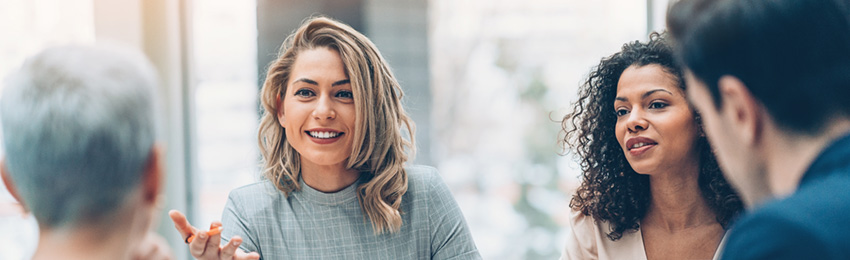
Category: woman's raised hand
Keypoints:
(205, 245)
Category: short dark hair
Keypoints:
(793, 55)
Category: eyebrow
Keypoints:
(341, 82)
(313, 82)
(648, 93)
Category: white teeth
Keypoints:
(639, 145)
(324, 135)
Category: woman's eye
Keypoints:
(621, 112)
(657, 105)
(345, 94)
(304, 93)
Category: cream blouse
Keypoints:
(588, 240)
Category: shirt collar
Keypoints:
(836, 155)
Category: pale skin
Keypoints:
(208, 247)
(760, 159)
(678, 223)
(98, 241)
(318, 97)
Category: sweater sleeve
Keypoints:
(235, 223)
(450, 236)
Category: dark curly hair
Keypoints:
(611, 190)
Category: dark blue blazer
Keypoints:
(812, 223)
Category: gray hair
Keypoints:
(79, 128)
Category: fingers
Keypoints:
(198, 247)
(213, 240)
(202, 245)
(181, 224)
(229, 250)
(232, 251)
(241, 255)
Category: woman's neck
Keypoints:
(677, 201)
(328, 178)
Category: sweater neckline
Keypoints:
(333, 198)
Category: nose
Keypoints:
(324, 109)
(636, 121)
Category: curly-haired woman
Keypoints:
(651, 187)
(336, 185)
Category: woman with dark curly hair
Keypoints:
(651, 187)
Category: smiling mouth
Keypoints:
(639, 145)
(324, 134)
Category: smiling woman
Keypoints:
(334, 156)
(318, 117)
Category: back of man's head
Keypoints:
(79, 128)
(793, 55)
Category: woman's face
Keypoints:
(318, 109)
(655, 124)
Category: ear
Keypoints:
(280, 117)
(10, 185)
(742, 110)
(152, 178)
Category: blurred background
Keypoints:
(486, 81)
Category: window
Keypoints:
(224, 46)
(503, 75)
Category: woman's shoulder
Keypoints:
(257, 193)
(583, 225)
(422, 178)
(426, 188)
(587, 226)
(257, 203)
(588, 239)
(421, 172)
(582, 237)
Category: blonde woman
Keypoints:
(333, 151)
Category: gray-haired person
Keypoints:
(81, 154)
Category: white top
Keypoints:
(589, 240)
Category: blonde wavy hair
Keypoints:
(379, 150)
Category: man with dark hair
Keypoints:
(771, 80)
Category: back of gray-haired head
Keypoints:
(79, 127)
